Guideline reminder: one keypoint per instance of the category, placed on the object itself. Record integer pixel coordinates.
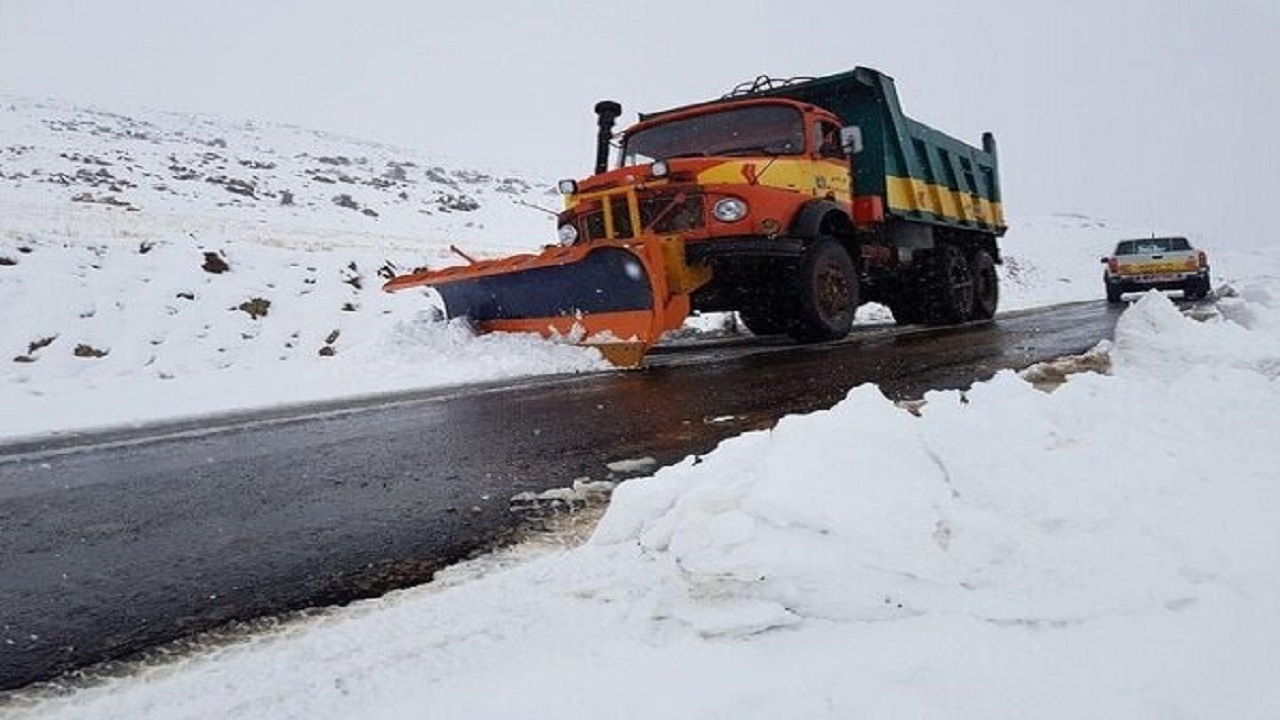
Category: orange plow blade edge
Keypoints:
(617, 297)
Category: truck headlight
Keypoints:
(659, 169)
(568, 234)
(567, 187)
(729, 210)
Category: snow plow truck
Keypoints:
(790, 202)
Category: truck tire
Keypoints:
(1114, 295)
(1197, 289)
(945, 286)
(826, 293)
(986, 285)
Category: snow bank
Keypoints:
(114, 333)
(1002, 502)
(1104, 550)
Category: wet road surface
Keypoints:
(114, 542)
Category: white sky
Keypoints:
(1156, 113)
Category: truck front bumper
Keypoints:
(743, 247)
(1166, 281)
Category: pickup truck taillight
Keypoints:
(1202, 258)
(1113, 265)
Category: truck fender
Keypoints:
(819, 217)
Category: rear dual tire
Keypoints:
(948, 288)
(986, 285)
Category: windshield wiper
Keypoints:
(771, 149)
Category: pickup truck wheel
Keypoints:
(986, 285)
(946, 286)
(826, 293)
(1197, 289)
(1113, 295)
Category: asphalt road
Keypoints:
(114, 542)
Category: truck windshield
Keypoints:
(751, 130)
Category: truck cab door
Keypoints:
(833, 177)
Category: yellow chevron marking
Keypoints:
(819, 179)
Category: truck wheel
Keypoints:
(946, 287)
(826, 293)
(1113, 296)
(986, 285)
(1197, 289)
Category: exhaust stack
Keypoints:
(607, 112)
(989, 144)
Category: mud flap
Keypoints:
(614, 297)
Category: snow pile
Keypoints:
(1252, 334)
(1003, 503)
(1106, 549)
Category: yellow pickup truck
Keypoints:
(1158, 263)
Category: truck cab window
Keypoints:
(827, 140)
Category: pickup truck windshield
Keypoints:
(1152, 245)
(751, 130)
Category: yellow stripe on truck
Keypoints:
(913, 195)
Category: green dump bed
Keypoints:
(922, 174)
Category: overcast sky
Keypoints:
(1156, 113)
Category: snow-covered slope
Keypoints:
(268, 183)
(163, 265)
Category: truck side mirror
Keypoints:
(851, 139)
(1104, 260)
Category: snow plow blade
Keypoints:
(617, 297)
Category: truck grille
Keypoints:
(672, 212)
(661, 213)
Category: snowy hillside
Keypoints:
(204, 265)
(269, 183)
(157, 265)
